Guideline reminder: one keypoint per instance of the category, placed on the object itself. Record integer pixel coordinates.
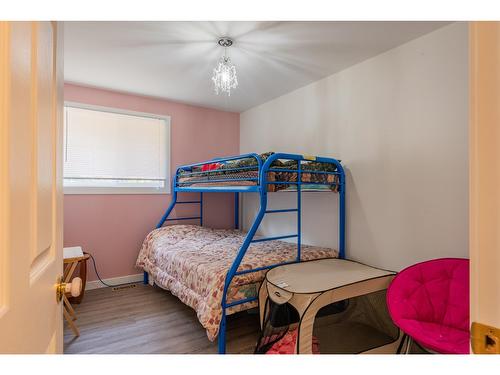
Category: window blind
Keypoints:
(108, 149)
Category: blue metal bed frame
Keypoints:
(261, 188)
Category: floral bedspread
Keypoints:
(191, 262)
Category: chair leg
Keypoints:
(401, 343)
(71, 323)
(408, 345)
(70, 309)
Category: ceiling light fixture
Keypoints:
(224, 76)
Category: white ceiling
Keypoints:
(174, 60)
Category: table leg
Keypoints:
(263, 295)
(308, 310)
(303, 344)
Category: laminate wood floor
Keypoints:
(147, 319)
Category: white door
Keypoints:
(31, 99)
(485, 186)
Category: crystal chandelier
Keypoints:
(224, 77)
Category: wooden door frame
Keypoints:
(484, 178)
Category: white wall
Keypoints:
(399, 123)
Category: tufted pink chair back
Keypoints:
(430, 302)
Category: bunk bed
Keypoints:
(227, 266)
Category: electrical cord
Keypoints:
(102, 281)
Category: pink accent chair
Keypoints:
(429, 302)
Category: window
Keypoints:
(116, 152)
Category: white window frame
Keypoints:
(87, 190)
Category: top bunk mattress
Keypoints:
(192, 262)
(245, 172)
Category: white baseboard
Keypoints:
(96, 284)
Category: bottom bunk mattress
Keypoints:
(192, 262)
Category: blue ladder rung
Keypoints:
(184, 218)
(284, 210)
(264, 268)
(274, 238)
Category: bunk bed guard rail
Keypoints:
(261, 187)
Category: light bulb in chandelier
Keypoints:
(224, 75)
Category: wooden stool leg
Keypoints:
(66, 270)
(69, 307)
(71, 270)
(71, 323)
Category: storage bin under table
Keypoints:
(309, 286)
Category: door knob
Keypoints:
(74, 288)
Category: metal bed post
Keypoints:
(342, 218)
(299, 207)
(201, 209)
(236, 210)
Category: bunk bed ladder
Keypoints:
(234, 268)
(249, 239)
(166, 218)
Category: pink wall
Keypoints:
(112, 227)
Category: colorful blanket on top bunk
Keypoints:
(191, 262)
(243, 172)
